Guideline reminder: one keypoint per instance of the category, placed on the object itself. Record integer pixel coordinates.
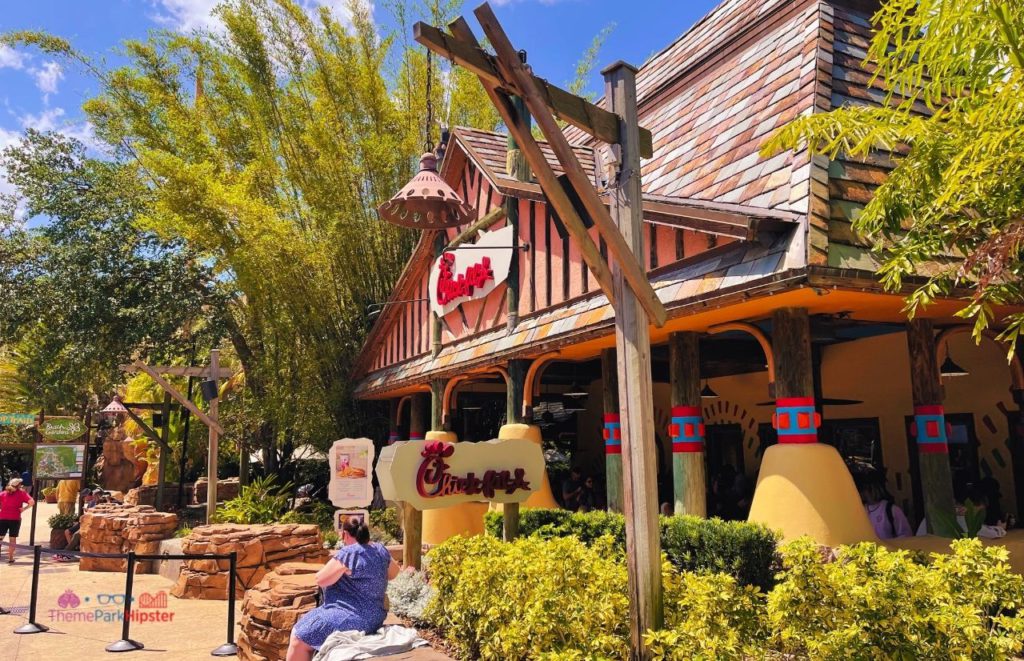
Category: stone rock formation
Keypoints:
(111, 528)
(116, 470)
(271, 609)
(260, 549)
(226, 489)
(146, 495)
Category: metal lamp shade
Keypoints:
(114, 408)
(426, 202)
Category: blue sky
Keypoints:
(38, 92)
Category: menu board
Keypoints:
(351, 461)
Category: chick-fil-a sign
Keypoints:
(432, 474)
(471, 271)
(434, 478)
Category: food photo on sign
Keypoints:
(351, 462)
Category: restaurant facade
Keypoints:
(776, 316)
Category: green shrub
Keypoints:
(746, 551)
(386, 525)
(709, 616)
(875, 603)
(318, 513)
(530, 597)
(409, 594)
(48, 491)
(331, 539)
(183, 532)
(260, 501)
(61, 521)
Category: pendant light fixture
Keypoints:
(427, 202)
(707, 393)
(949, 368)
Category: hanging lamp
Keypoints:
(949, 368)
(427, 202)
(707, 393)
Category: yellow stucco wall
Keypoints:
(875, 370)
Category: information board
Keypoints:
(59, 461)
(351, 461)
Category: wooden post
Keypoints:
(437, 405)
(687, 428)
(517, 370)
(636, 399)
(796, 419)
(412, 518)
(517, 168)
(612, 431)
(211, 486)
(929, 426)
(393, 434)
(161, 471)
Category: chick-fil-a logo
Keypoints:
(451, 287)
(434, 481)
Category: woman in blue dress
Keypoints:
(354, 583)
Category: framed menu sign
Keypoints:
(351, 461)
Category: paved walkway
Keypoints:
(185, 630)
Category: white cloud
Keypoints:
(187, 15)
(47, 77)
(44, 121)
(10, 58)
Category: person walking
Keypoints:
(14, 500)
(67, 496)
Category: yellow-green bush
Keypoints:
(872, 603)
(709, 616)
(530, 598)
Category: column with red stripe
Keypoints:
(612, 434)
(930, 429)
(796, 420)
(686, 429)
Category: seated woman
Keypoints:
(354, 582)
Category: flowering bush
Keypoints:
(409, 594)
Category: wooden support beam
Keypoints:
(184, 401)
(926, 389)
(568, 107)
(165, 454)
(636, 397)
(689, 482)
(515, 387)
(211, 457)
(471, 232)
(513, 69)
(520, 130)
(611, 417)
(412, 518)
(437, 388)
(791, 346)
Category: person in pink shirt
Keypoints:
(13, 501)
(888, 519)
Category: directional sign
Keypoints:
(17, 419)
(62, 429)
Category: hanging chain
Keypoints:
(430, 102)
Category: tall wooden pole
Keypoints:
(636, 400)
(929, 426)
(412, 518)
(612, 431)
(796, 418)
(211, 486)
(393, 435)
(161, 471)
(689, 483)
(517, 370)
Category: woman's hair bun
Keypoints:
(355, 527)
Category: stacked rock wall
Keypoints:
(260, 549)
(271, 609)
(111, 528)
(146, 495)
(226, 489)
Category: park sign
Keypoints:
(433, 474)
(62, 429)
(17, 419)
(59, 461)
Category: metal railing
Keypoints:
(126, 643)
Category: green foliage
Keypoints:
(49, 491)
(410, 594)
(709, 616)
(874, 603)
(260, 501)
(330, 538)
(61, 521)
(953, 124)
(385, 526)
(318, 513)
(183, 532)
(746, 551)
(530, 597)
(947, 524)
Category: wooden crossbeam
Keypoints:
(147, 430)
(184, 401)
(545, 175)
(511, 67)
(179, 370)
(568, 107)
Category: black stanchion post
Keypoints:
(230, 648)
(32, 626)
(126, 644)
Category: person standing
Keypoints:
(67, 496)
(14, 500)
(572, 489)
